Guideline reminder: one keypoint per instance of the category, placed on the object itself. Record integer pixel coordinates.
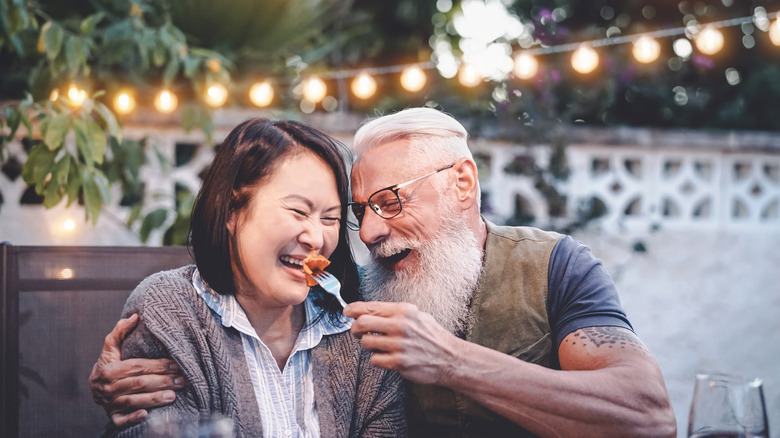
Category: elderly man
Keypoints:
(500, 331)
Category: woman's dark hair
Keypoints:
(251, 152)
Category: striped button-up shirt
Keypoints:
(285, 397)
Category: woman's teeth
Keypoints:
(287, 260)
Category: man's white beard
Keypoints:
(443, 282)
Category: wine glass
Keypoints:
(727, 406)
(172, 425)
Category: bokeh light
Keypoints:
(216, 95)
(261, 94)
(682, 47)
(314, 89)
(124, 102)
(646, 49)
(526, 66)
(585, 59)
(413, 78)
(166, 101)
(469, 76)
(774, 32)
(364, 86)
(709, 41)
(76, 95)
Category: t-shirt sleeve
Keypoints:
(581, 292)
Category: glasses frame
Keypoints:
(394, 189)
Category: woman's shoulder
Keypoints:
(169, 286)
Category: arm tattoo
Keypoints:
(607, 337)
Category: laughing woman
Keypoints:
(251, 341)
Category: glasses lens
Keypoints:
(385, 203)
(355, 214)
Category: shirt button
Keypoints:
(287, 432)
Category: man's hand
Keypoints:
(404, 339)
(127, 388)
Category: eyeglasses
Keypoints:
(384, 202)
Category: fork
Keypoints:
(330, 284)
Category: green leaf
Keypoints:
(93, 194)
(152, 221)
(39, 161)
(158, 54)
(74, 182)
(56, 130)
(108, 116)
(191, 66)
(97, 138)
(62, 170)
(76, 52)
(171, 70)
(83, 142)
(52, 39)
(12, 117)
(89, 23)
(53, 194)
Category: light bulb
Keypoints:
(774, 32)
(55, 94)
(165, 101)
(646, 49)
(261, 94)
(709, 41)
(526, 66)
(364, 86)
(76, 96)
(413, 78)
(469, 76)
(314, 89)
(216, 95)
(585, 59)
(124, 103)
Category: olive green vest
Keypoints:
(508, 314)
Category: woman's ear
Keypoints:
(232, 223)
(467, 182)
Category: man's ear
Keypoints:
(467, 182)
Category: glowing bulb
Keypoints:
(526, 66)
(646, 49)
(469, 76)
(364, 86)
(55, 94)
(585, 59)
(774, 32)
(76, 96)
(261, 94)
(216, 95)
(709, 41)
(65, 274)
(165, 101)
(124, 103)
(314, 89)
(413, 78)
(68, 225)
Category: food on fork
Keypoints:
(313, 264)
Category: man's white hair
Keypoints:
(437, 138)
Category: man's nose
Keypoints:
(373, 229)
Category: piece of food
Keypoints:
(312, 264)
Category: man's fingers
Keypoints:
(132, 402)
(113, 341)
(359, 308)
(137, 367)
(144, 385)
(125, 420)
(375, 324)
(380, 343)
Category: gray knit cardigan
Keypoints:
(354, 398)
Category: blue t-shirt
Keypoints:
(581, 291)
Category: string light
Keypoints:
(55, 94)
(314, 89)
(774, 32)
(468, 75)
(124, 102)
(364, 86)
(709, 41)
(76, 96)
(166, 101)
(526, 66)
(261, 94)
(584, 59)
(413, 78)
(646, 49)
(216, 95)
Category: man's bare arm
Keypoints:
(610, 385)
(125, 389)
